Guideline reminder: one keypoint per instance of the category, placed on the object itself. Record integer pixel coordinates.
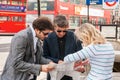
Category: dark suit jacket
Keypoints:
(51, 48)
(20, 62)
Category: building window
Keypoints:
(64, 0)
(74, 21)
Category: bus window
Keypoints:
(35, 6)
(32, 6)
(77, 1)
(4, 18)
(83, 20)
(18, 2)
(74, 21)
(47, 5)
(71, 21)
(20, 18)
(43, 6)
(25, 3)
(4, 1)
(101, 21)
(71, 1)
(64, 0)
(17, 18)
(93, 21)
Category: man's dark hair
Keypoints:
(61, 21)
(42, 23)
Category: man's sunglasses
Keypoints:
(45, 33)
(61, 31)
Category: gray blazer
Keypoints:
(20, 62)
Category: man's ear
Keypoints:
(35, 30)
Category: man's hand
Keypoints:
(44, 68)
(79, 65)
(60, 61)
(48, 67)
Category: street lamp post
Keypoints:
(38, 1)
(88, 4)
(88, 13)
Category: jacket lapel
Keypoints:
(55, 43)
(67, 42)
(30, 36)
(39, 51)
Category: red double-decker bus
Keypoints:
(12, 16)
(72, 9)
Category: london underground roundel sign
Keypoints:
(110, 4)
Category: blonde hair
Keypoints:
(89, 34)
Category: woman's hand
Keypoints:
(80, 65)
(60, 61)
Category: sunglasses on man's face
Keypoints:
(61, 31)
(45, 33)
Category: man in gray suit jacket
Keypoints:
(25, 60)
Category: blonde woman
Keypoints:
(99, 52)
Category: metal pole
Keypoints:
(88, 13)
(38, 1)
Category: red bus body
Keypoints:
(12, 17)
(10, 26)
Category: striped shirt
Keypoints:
(101, 57)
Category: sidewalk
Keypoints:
(5, 39)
